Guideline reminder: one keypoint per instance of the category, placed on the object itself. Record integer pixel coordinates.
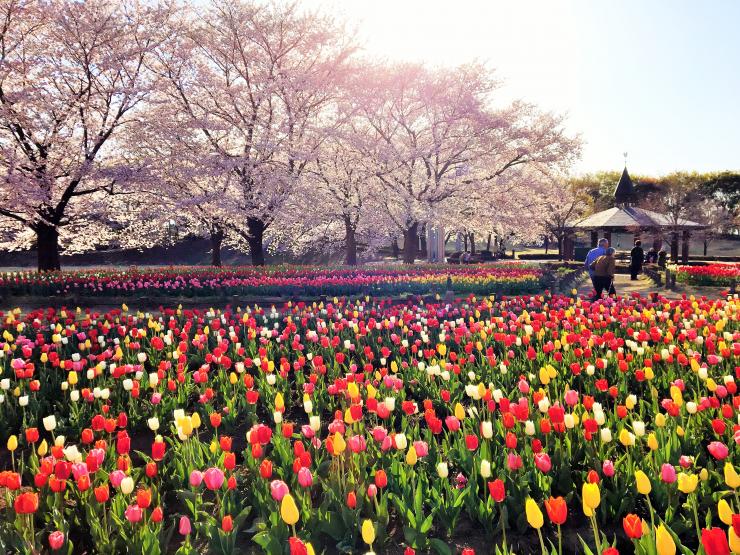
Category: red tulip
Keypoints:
(32, 435)
(144, 498)
(157, 514)
(497, 490)
(632, 525)
(715, 542)
(471, 442)
(227, 523)
(26, 503)
(351, 500)
(610, 551)
(266, 469)
(557, 509)
(102, 493)
(381, 479)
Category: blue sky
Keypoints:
(659, 79)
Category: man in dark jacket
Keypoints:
(637, 257)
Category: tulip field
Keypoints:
(711, 274)
(533, 423)
(511, 278)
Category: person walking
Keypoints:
(604, 268)
(592, 255)
(637, 257)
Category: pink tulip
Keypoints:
(685, 461)
(184, 527)
(608, 468)
(56, 540)
(116, 477)
(214, 478)
(452, 423)
(421, 448)
(372, 490)
(379, 433)
(542, 462)
(668, 473)
(718, 450)
(357, 443)
(133, 513)
(571, 397)
(278, 490)
(514, 461)
(196, 477)
(305, 478)
(307, 431)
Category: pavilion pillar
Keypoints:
(674, 247)
(608, 237)
(685, 242)
(569, 247)
(657, 242)
(594, 239)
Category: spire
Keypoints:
(625, 191)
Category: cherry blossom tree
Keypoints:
(256, 81)
(439, 137)
(72, 74)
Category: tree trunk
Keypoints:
(560, 247)
(410, 241)
(488, 243)
(394, 249)
(706, 244)
(256, 228)
(47, 246)
(465, 241)
(472, 243)
(350, 242)
(217, 237)
(424, 252)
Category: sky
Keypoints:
(658, 79)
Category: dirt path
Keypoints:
(644, 286)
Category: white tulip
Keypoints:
(606, 435)
(50, 422)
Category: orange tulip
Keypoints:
(557, 509)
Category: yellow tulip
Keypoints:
(664, 541)
(660, 420)
(725, 512)
(652, 442)
(704, 475)
(459, 411)
(12, 443)
(195, 420)
(591, 495)
(43, 448)
(368, 531)
(588, 511)
(442, 349)
(411, 456)
(687, 482)
(289, 510)
(734, 540)
(626, 438)
(279, 402)
(534, 514)
(731, 478)
(643, 482)
(339, 444)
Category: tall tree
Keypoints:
(71, 76)
(439, 137)
(255, 80)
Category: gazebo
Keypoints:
(624, 217)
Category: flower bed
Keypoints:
(711, 274)
(275, 280)
(365, 426)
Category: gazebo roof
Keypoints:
(625, 191)
(631, 217)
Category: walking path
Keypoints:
(626, 287)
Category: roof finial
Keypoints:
(625, 159)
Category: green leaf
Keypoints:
(440, 547)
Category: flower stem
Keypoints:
(542, 542)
